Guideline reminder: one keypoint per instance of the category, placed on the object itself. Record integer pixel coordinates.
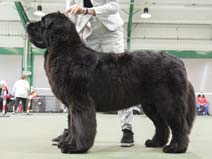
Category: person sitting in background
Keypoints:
(2, 85)
(3, 88)
(202, 105)
(21, 90)
(9, 101)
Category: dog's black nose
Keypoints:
(28, 25)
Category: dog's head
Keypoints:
(52, 30)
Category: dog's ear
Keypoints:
(58, 35)
(58, 12)
(58, 30)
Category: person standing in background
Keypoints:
(21, 91)
(100, 27)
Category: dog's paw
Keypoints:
(174, 148)
(67, 148)
(153, 143)
(66, 137)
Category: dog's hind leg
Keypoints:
(191, 106)
(82, 126)
(161, 135)
(179, 126)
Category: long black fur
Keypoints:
(88, 81)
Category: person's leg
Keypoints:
(206, 109)
(113, 41)
(24, 102)
(197, 108)
(126, 117)
(106, 41)
(17, 100)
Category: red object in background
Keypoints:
(4, 88)
(32, 95)
(201, 100)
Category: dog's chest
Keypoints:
(50, 66)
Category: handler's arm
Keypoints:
(70, 3)
(111, 7)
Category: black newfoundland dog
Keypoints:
(87, 81)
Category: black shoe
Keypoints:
(127, 139)
(57, 139)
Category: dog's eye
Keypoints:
(49, 25)
(43, 26)
(42, 23)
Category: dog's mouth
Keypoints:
(29, 36)
(37, 41)
(34, 36)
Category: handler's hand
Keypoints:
(74, 9)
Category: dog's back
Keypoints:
(123, 80)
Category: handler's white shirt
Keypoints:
(21, 88)
(107, 11)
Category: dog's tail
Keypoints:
(191, 106)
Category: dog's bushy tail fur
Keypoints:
(191, 106)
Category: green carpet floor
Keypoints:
(29, 137)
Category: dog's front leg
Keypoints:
(66, 136)
(82, 126)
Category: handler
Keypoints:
(100, 26)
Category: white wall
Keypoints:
(10, 69)
(200, 75)
(153, 37)
(171, 37)
(11, 34)
(40, 82)
(175, 25)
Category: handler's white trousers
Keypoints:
(104, 40)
